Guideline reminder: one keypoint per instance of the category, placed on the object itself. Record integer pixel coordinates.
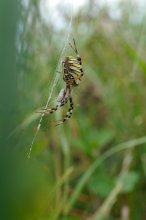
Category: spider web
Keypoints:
(55, 79)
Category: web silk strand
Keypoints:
(54, 81)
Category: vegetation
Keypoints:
(93, 166)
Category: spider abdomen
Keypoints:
(72, 70)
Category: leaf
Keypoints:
(129, 181)
(101, 184)
(95, 139)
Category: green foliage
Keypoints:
(101, 184)
(129, 181)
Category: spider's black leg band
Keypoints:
(69, 113)
(48, 111)
(54, 109)
(63, 102)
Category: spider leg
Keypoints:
(78, 56)
(74, 47)
(69, 113)
(54, 109)
(48, 111)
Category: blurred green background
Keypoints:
(94, 166)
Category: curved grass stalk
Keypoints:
(120, 147)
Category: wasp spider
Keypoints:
(72, 73)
